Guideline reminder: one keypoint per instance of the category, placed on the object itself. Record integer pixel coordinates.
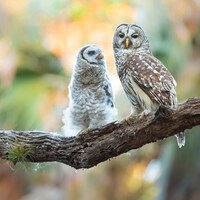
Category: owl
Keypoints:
(91, 100)
(146, 81)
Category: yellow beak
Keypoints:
(127, 42)
(100, 56)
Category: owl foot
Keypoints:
(82, 132)
(144, 113)
(131, 118)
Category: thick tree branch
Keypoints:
(97, 145)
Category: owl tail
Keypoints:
(180, 139)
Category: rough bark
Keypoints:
(97, 145)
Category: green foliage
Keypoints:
(75, 11)
(19, 104)
(165, 43)
(46, 8)
(18, 153)
(166, 47)
(34, 60)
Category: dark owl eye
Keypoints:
(121, 35)
(134, 36)
(91, 53)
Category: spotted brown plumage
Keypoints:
(145, 80)
(152, 77)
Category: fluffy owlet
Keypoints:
(146, 81)
(90, 93)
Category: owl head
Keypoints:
(91, 56)
(130, 37)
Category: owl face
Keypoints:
(91, 55)
(129, 36)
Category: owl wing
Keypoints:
(108, 91)
(153, 78)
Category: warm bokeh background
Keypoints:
(38, 44)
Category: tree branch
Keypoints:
(97, 145)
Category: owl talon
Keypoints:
(82, 132)
(144, 113)
(130, 118)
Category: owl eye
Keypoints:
(121, 35)
(134, 36)
(91, 53)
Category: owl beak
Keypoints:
(100, 56)
(127, 42)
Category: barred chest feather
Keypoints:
(138, 98)
(88, 99)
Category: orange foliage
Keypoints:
(185, 16)
(14, 7)
(7, 62)
(12, 185)
(86, 22)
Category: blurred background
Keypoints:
(38, 45)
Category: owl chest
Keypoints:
(90, 98)
(135, 94)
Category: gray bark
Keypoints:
(97, 145)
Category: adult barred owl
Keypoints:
(146, 81)
(90, 93)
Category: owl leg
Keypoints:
(95, 123)
(82, 132)
(71, 131)
(144, 113)
(135, 110)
